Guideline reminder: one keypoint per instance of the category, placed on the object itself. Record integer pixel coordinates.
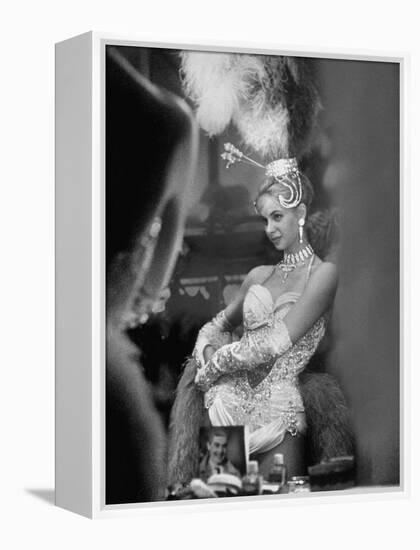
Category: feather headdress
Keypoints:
(272, 100)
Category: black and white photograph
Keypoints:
(252, 272)
(222, 451)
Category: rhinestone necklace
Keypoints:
(292, 260)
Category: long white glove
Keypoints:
(216, 333)
(256, 348)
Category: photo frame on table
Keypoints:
(154, 237)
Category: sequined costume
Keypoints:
(262, 395)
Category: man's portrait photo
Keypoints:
(222, 451)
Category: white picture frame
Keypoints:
(80, 272)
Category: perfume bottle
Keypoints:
(276, 478)
(252, 481)
(277, 473)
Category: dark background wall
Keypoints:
(361, 114)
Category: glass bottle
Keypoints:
(278, 471)
(252, 481)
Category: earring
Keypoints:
(301, 223)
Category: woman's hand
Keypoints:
(200, 377)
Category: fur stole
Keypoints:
(327, 416)
(186, 419)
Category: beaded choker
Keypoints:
(292, 260)
(298, 257)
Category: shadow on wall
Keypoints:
(361, 101)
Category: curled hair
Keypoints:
(217, 432)
(271, 186)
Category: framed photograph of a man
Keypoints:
(223, 450)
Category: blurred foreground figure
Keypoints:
(151, 143)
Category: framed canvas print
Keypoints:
(228, 274)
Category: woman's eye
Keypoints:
(277, 217)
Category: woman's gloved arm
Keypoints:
(216, 333)
(261, 346)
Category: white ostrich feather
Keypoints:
(248, 90)
(212, 82)
(267, 133)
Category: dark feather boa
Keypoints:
(186, 419)
(329, 429)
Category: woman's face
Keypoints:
(281, 224)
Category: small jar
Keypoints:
(299, 484)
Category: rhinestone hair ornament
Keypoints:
(280, 170)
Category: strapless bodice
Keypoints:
(259, 306)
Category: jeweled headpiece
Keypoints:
(281, 170)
